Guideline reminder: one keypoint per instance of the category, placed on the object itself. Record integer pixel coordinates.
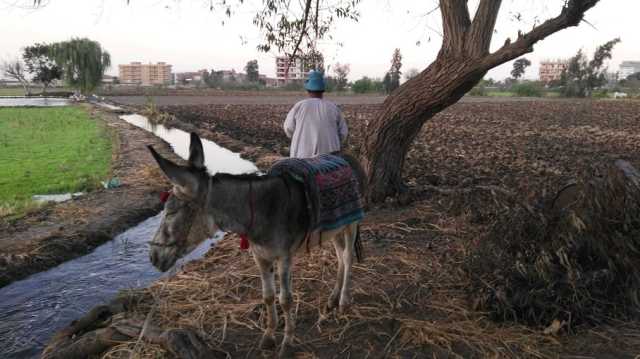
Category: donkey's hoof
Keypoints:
(331, 306)
(267, 342)
(343, 309)
(286, 351)
(332, 303)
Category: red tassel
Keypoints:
(164, 196)
(244, 242)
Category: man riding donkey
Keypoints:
(315, 125)
(277, 213)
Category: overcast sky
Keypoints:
(187, 35)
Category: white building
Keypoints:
(628, 68)
(297, 68)
(551, 70)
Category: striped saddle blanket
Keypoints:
(331, 189)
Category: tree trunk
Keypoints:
(392, 132)
(462, 62)
(27, 88)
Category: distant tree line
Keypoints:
(583, 77)
(80, 62)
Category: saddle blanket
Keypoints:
(331, 189)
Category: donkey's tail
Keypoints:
(357, 245)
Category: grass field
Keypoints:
(19, 91)
(12, 91)
(49, 150)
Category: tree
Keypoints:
(519, 67)
(411, 73)
(582, 76)
(251, 70)
(40, 65)
(83, 62)
(15, 69)
(363, 85)
(463, 60)
(386, 82)
(341, 72)
(367, 85)
(392, 81)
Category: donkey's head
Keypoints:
(185, 223)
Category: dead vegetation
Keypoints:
(486, 238)
(571, 261)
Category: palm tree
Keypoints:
(83, 62)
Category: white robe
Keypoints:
(316, 127)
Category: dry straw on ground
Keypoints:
(569, 262)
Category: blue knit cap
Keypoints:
(315, 81)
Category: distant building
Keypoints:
(109, 80)
(288, 70)
(145, 74)
(184, 78)
(232, 76)
(552, 70)
(269, 81)
(628, 68)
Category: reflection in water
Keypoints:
(217, 159)
(31, 310)
(32, 101)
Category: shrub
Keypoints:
(527, 89)
(479, 90)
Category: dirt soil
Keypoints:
(59, 232)
(410, 292)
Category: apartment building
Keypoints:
(552, 70)
(145, 74)
(297, 67)
(628, 68)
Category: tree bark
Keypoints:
(404, 112)
(462, 62)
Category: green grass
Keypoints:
(11, 91)
(19, 91)
(500, 94)
(49, 150)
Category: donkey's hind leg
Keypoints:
(334, 297)
(286, 302)
(268, 340)
(350, 234)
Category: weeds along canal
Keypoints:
(33, 309)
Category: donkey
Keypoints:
(269, 210)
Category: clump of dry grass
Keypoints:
(148, 175)
(564, 266)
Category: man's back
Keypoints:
(315, 127)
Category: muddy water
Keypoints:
(31, 310)
(32, 101)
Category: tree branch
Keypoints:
(455, 23)
(571, 15)
(303, 31)
(481, 32)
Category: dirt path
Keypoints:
(59, 232)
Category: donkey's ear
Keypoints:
(178, 175)
(196, 153)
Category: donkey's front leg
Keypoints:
(286, 302)
(268, 340)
